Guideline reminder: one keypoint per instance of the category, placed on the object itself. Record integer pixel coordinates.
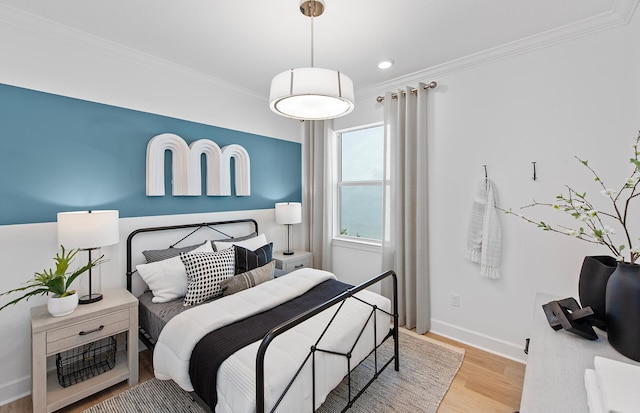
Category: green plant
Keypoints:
(591, 221)
(56, 282)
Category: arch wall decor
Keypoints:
(186, 167)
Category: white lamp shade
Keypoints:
(311, 93)
(288, 213)
(88, 229)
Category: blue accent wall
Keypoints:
(64, 154)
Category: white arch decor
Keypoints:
(186, 167)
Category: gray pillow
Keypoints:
(248, 279)
(165, 254)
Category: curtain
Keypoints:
(317, 202)
(405, 202)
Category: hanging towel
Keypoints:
(484, 237)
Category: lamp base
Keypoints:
(91, 298)
(287, 253)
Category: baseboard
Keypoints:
(15, 390)
(483, 342)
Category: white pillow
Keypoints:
(167, 279)
(251, 244)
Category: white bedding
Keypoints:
(236, 376)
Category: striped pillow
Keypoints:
(247, 260)
(248, 279)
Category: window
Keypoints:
(359, 183)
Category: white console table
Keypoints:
(554, 377)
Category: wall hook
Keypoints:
(485, 171)
(534, 171)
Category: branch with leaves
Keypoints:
(591, 227)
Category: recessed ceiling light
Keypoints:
(385, 64)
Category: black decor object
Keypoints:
(623, 310)
(592, 285)
(567, 314)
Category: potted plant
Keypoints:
(56, 284)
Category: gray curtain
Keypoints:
(317, 198)
(405, 243)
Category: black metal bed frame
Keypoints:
(339, 300)
(145, 337)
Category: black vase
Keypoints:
(623, 310)
(592, 285)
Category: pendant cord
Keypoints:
(313, 12)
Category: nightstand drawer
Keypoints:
(294, 264)
(87, 331)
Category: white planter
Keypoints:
(59, 307)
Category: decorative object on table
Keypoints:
(623, 310)
(567, 314)
(288, 213)
(62, 300)
(592, 285)
(484, 239)
(88, 231)
(311, 93)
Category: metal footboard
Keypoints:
(340, 299)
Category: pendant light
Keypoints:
(311, 93)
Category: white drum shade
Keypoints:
(311, 93)
(88, 229)
(288, 213)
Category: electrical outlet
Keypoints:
(455, 300)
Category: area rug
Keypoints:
(427, 369)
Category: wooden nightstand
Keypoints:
(288, 263)
(115, 314)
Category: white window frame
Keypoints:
(343, 240)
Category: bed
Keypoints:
(280, 346)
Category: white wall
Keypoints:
(53, 59)
(579, 97)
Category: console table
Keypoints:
(554, 377)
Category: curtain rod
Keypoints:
(431, 85)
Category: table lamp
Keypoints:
(88, 231)
(288, 213)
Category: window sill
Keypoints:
(369, 246)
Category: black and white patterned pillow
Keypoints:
(247, 260)
(205, 272)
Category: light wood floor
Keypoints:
(486, 383)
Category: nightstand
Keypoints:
(116, 314)
(288, 263)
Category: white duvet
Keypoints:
(236, 376)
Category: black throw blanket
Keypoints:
(215, 347)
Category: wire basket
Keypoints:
(84, 362)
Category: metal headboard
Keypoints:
(211, 225)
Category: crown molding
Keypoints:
(620, 14)
(45, 27)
